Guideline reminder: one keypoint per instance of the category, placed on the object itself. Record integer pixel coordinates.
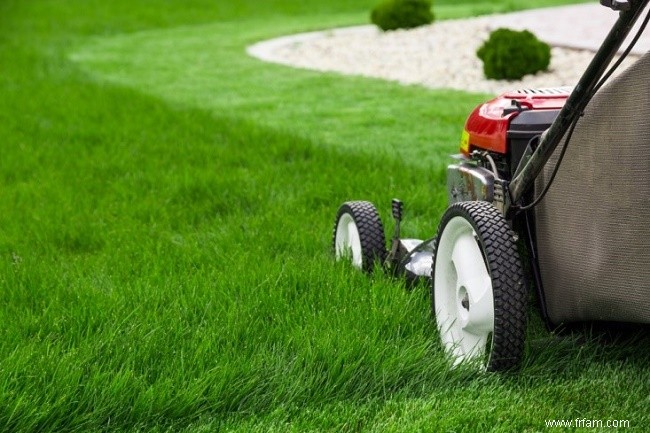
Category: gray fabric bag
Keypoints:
(593, 227)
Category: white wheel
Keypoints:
(359, 235)
(463, 293)
(348, 244)
(478, 291)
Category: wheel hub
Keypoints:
(464, 299)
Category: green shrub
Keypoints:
(402, 14)
(509, 54)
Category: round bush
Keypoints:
(509, 54)
(402, 14)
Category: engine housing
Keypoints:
(506, 124)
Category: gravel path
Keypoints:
(443, 55)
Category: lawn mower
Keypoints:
(554, 179)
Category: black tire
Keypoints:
(370, 248)
(497, 244)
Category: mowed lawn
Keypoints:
(166, 212)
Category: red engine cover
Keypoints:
(487, 127)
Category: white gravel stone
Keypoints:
(441, 55)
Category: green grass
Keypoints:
(166, 206)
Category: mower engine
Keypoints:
(496, 137)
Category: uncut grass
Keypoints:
(167, 269)
(174, 305)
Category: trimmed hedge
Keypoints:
(510, 54)
(402, 14)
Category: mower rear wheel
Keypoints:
(359, 235)
(477, 287)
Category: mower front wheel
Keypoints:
(359, 235)
(477, 287)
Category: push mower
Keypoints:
(585, 239)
